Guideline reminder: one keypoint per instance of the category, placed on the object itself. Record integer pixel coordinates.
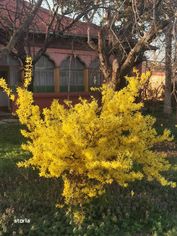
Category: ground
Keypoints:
(141, 209)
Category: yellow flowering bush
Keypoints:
(90, 146)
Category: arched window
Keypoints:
(95, 76)
(72, 75)
(10, 70)
(44, 75)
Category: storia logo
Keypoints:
(22, 221)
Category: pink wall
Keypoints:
(58, 55)
(45, 99)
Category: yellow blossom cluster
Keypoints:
(6, 89)
(28, 71)
(90, 146)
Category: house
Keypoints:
(67, 69)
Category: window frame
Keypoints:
(76, 82)
(44, 83)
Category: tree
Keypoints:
(168, 70)
(127, 29)
(21, 22)
(15, 23)
(170, 59)
(28, 29)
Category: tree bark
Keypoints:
(168, 72)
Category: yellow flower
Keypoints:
(28, 72)
(6, 89)
(78, 217)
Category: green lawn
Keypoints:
(22, 193)
(142, 209)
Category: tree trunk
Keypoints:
(168, 72)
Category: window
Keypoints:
(72, 75)
(44, 75)
(95, 77)
(11, 67)
(10, 71)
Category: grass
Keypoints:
(142, 209)
(23, 194)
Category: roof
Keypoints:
(13, 12)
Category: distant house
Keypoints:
(67, 70)
(154, 90)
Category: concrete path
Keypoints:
(7, 118)
(9, 121)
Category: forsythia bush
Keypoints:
(90, 146)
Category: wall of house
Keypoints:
(57, 56)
